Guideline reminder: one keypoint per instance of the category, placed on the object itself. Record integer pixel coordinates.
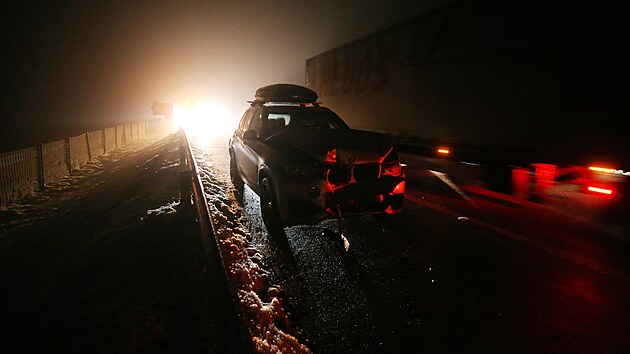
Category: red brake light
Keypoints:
(400, 188)
(390, 164)
(331, 156)
(443, 151)
(391, 169)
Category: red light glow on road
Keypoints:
(601, 169)
(609, 171)
(600, 190)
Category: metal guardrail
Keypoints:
(234, 330)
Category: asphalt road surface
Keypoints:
(467, 272)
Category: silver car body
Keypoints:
(318, 166)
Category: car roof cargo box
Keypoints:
(285, 93)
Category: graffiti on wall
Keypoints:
(354, 69)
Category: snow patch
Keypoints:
(168, 165)
(164, 209)
(151, 159)
(260, 302)
(79, 182)
(34, 206)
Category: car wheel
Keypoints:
(237, 181)
(269, 207)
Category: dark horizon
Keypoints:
(99, 64)
(76, 66)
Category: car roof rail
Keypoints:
(259, 103)
(256, 103)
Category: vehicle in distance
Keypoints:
(307, 165)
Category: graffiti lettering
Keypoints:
(358, 68)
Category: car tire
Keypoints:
(237, 181)
(269, 207)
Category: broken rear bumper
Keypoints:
(378, 196)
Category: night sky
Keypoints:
(74, 64)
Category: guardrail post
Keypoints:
(182, 148)
(185, 181)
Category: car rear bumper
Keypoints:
(300, 206)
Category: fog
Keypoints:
(74, 63)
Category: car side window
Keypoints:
(275, 123)
(245, 121)
(283, 118)
(256, 121)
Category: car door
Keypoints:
(238, 144)
(247, 150)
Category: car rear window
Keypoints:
(284, 118)
(306, 119)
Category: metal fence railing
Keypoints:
(26, 170)
(18, 173)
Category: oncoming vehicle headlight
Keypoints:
(391, 165)
(303, 171)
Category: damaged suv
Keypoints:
(307, 165)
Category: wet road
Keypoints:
(450, 275)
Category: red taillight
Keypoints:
(400, 188)
(443, 151)
(331, 156)
(599, 190)
(390, 164)
(393, 169)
